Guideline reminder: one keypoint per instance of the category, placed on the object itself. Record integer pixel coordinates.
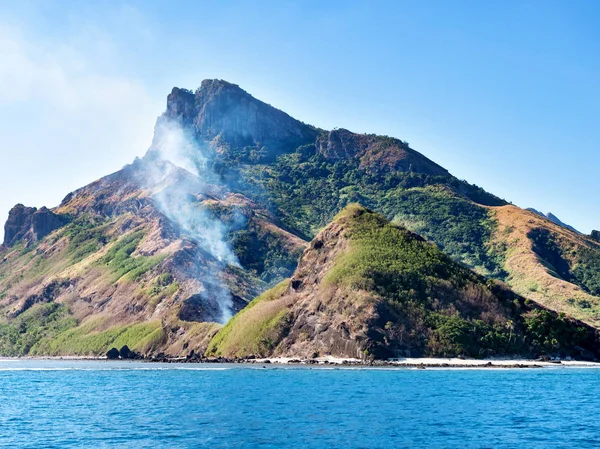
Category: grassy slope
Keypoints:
(76, 253)
(541, 258)
(256, 330)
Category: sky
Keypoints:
(504, 94)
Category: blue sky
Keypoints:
(504, 94)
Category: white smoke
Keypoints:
(179, 195)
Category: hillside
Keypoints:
(368, 288)
(120, 269)
(219, 210)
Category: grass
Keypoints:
(122, 264)
(256, 329)
(389, 259)
(40, 323)
(86, 339)
(424, 302)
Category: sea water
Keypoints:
(79, 404)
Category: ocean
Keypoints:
(102, 404)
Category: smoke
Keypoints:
(181, 186)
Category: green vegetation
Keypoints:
(38, 324)
(423, 287)
(87, 340)
(307, 190)
(426, 304)
(264, 254)
(87, 234)
(122, 264)
(255, 330)
(548, 332)
(459, 227)
(586, 272)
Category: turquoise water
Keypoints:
(61, 404)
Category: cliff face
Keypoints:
(227, 116)
(367, 288)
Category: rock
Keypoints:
(202, 307)
(19, 219)
(583, 354)
(226, 113)
(30, 224)
(595, 235)
(112, 354)
(125, 352)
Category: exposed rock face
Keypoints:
(30, 224)
(18, 223)
(223, 111)
(376, 152)
(595, 235)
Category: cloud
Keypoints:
(66, 116)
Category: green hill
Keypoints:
(366, 287)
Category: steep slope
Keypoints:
(237, 124)
(365, 287)
(124, 269)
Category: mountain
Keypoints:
(161, 253)
(553, 218)
(367, 288)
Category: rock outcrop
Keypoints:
(227, 116)
(30, 224)
(376, 153)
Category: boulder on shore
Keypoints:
(112, 354)
(125, 352)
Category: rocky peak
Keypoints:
(181, 106)
(595, 235)
(222, 111)
(30, 224)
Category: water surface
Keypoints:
(81, 404)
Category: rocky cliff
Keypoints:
(28, 224)
(232, 120)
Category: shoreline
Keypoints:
(406, 363)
